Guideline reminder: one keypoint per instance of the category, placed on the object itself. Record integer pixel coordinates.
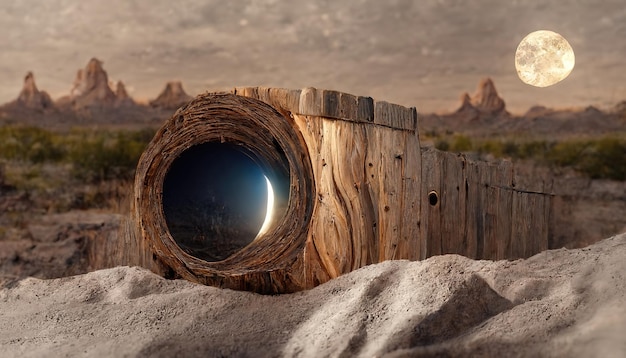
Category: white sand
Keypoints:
(558, 303)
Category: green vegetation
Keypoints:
(598, 158)
(94, 155)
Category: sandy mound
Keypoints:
(558, 303)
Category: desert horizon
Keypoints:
(422, 55)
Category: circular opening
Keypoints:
(216, 200)
(189, 155)
(433, 198)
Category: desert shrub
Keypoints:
(599, 158)
(30, 144)
(461, 143)
(566, 153)
(533, 150)
(94, 155)
(493, 147)
(603, 158)
(431, 134)
(98, 156)
(442, 144)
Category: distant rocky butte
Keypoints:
(32, 98)
(122, 99)
(91, 87)
(92, 99)
(172, 97)
(485, 101)
(467, 110)
(485, 114)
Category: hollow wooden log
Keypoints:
(360, 190)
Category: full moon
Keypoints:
(544, 58)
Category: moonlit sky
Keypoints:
(422, 53)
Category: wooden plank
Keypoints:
(390, 199)
(373, 171)
(395, 116)
(335, 105)
(263, 94)
(365, 109)
(410, 238)
(453, 203)
(520, 228)
(474, 210)
(348, 158)
(310, 103)
(489, 197)
(505, 202)
(430, 230)
(285, 99)
(348, 107)
(539, 225)
(251, 92)
(330, 228)
(331, 104)
(341, 233)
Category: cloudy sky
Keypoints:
(422, 53)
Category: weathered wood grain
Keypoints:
(453, 203)
(431, 213)
(395, 116)
(410, 238)
(335, 105)
(358, 194)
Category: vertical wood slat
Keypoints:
(395, 116)
(474, 210)
(335, 105)
(282, 99)
(430, 230)
(390, 199)
(520, 230)
(504, 211)
(489, 187)
(373, 169)
(411, 201)
(453, 204)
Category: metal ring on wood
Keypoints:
(270, 139)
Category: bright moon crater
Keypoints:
(544, 58)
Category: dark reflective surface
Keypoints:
(214, 200)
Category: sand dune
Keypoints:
(557, 303)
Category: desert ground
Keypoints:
(559, 303)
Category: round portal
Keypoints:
(201, 193)
(216, 200)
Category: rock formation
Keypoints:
(91, 87)
(486, 98)
(122, 99)
(172, 97)
(620, 108)
(467, 109)
(32, 98)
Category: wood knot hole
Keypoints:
(433, 198)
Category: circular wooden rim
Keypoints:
(278, 148)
